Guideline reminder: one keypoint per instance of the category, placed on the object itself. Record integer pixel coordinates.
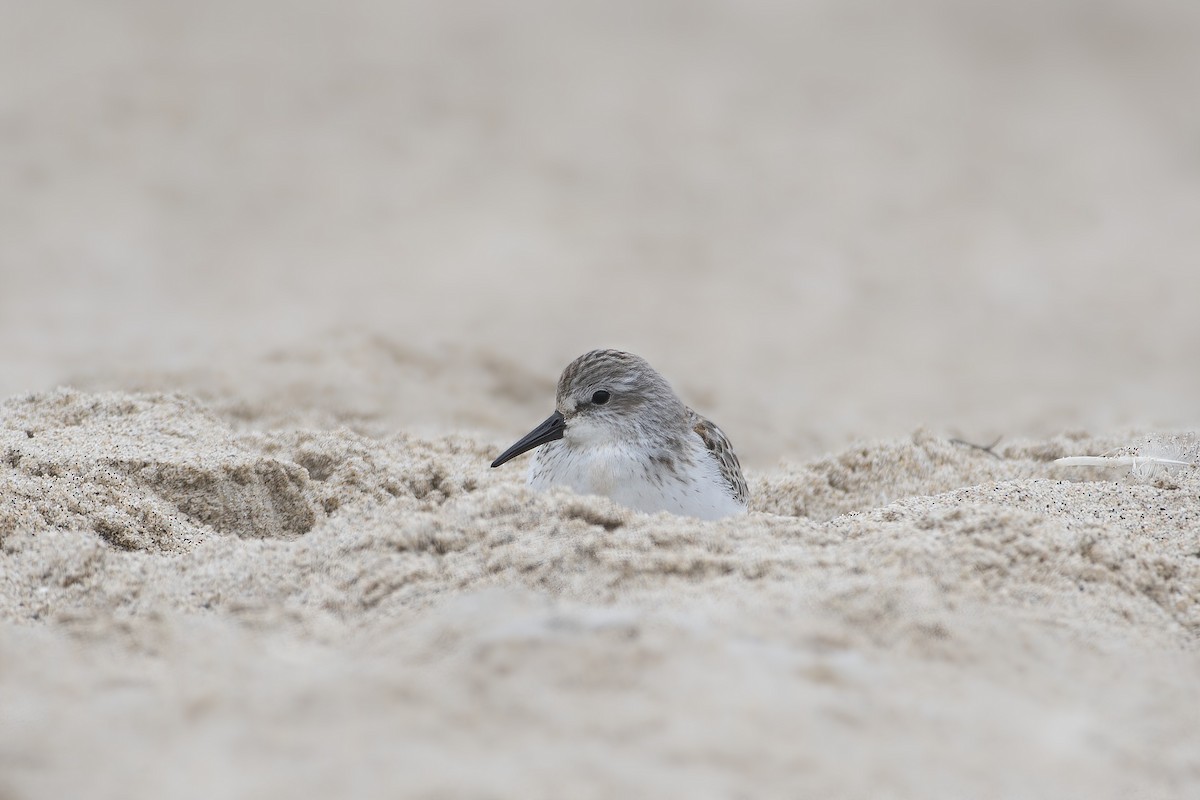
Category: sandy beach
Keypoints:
(278, 281)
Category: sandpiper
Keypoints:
(619, 430)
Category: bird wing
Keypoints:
(719, 446)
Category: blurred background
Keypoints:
(822, 220)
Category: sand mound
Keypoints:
(143, 472)
(163, 473)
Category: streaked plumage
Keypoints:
(620, 430)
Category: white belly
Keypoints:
(633, 480)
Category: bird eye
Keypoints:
(600, 397)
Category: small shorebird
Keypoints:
(619, 430)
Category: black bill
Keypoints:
(548, 431)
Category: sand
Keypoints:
(279, 281)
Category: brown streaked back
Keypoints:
(718, 444)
